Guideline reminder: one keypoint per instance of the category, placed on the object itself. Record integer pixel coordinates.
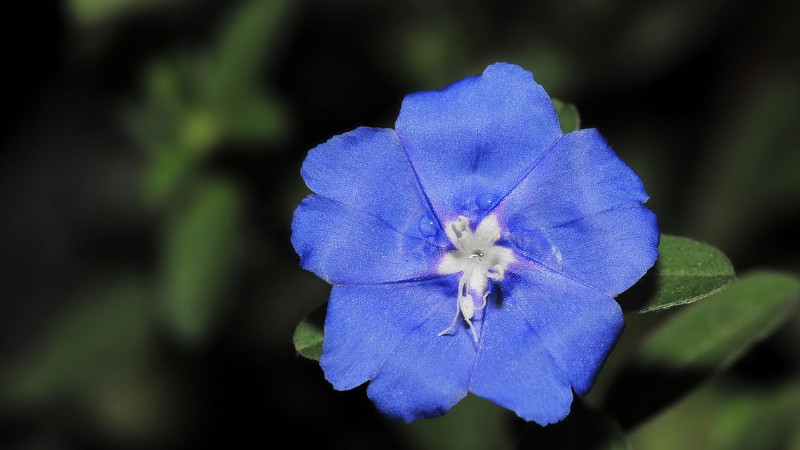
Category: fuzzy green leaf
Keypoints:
(686, 271)
(568, 116)
(309, 333)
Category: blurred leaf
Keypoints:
(246, 45)
(474, 423)
(713, 332)
(106, 331)
(201, 260)
(176, 132)
(789, 338)
(194, 102)
(257, 119)
(176, 115)
(553, 68)
(794, 442)
(93, 12)
(166, 85)
(429, 52)
(721, 416)
(309, 334)
(757, 419)
(163, 175)
(199, 132)
(567, 115)
(156, 120)
(701, 340)
(583, 429)
(686, 271)
(140, 403)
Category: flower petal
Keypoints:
(477, 138)
(367, 169)
(516, 370)
(578, 325)
(579, 211)
(343, 245)
(580, 175)
(426, 374)
(366, 322)
(608, 251)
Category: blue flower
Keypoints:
(475, 248)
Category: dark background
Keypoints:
(150, 166)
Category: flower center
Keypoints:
(477, 259)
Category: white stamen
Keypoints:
(478, 259)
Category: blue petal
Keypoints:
(426, 374)
(580, 175)
(578, 325)
(478, 136)
(579, 211)
(516, 370)
(367, 169)
(609, 250)
(343, 245)
(366, 322)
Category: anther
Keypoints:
(477, 253)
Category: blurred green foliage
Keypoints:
(567, 115)
(202, 258)
(726, 415)
(716, 331)
(97, 12)
(699, 342)
(194, 103)
(211, 107)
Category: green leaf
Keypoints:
(700, 341)
(568, 116)
(725, 416)
(686, 271)
(246, 43)
(163, 174)
(234, 93)
(201, 259)
(794, 441)
(309, 334)
(254, 120)
(762, 418)
(714, 332)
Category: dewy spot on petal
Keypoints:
(478, 259)
(428, 226)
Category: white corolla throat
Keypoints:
(478, 259)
